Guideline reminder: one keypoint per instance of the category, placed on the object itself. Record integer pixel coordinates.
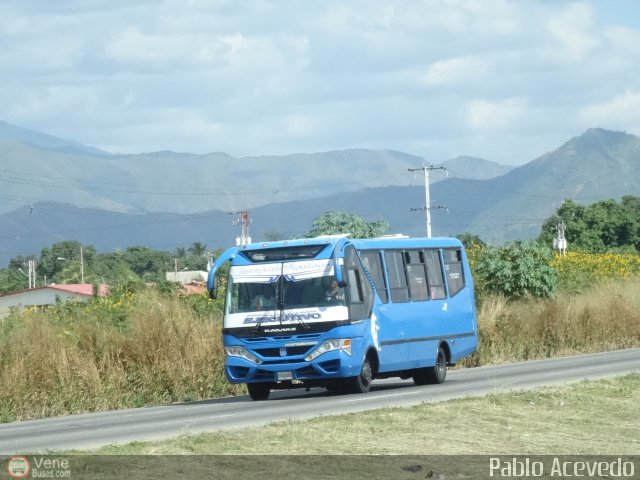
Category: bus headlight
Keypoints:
(343, 344)
(242, 353)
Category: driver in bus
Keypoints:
(335, 293)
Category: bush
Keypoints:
(521, 269)
(121, 351)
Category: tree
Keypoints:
(11, 279)
(469, 240)
(601, 226)
(198, 249)
(517, 270)
(335, 223)
(147, 263)
(62, 256)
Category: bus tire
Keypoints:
(258, 391)
(432, 375)
(362, 383)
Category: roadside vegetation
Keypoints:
(145, 345)
(566, 420)
(146, 348)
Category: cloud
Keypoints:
(495, 116)
(264, 76)
(621, 112)
(572, 30)
(456, 71)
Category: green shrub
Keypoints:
(518, 270)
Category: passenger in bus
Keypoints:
(264, 300)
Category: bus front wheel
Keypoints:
(258, 391)
(362, 383)
(435, 374)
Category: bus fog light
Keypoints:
(329, 346)
(242, 353)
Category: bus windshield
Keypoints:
(280, 286)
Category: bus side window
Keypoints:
(359, 290)
(373, 263)
(416, 275)
(435, 275)
(455, 275)
(397, 277)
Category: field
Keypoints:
(588, 418)
(149, 347)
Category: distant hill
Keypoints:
(36, 167)
(474, 168)
(596, 165)
(44, 141)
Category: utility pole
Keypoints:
(31, 276)
(244, 221)
(81, 265)
(427, 199)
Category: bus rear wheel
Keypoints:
(362, 383)
(432, 375)
(258, 391)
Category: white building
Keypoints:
(48, 295)
(187, 277)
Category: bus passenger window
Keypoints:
(455, 275)
(397, 278)
(417, 276)
(435, 275)
(373, 263)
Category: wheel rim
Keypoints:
(365, 376)
(441, 366)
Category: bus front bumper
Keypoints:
(329, 366)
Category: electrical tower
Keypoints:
(559, 242)
(244, 221)
(427, 199)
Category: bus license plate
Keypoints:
(284, 376)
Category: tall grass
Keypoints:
(604, 317)
(144, 349)
(68, 360)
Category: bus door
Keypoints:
(430, 319)
(389, 315)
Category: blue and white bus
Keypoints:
(337, 312)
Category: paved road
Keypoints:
(154, 423)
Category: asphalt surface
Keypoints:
(155, 423)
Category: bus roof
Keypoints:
(396, 243)
(390, 242)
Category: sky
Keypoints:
(502, 80)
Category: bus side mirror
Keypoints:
(213, 291)
(212, 283)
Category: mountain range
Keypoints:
(53, 190)
(36, 167)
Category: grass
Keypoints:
(75, 358)
(605, 317)
(147, 349)
(588, 418)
